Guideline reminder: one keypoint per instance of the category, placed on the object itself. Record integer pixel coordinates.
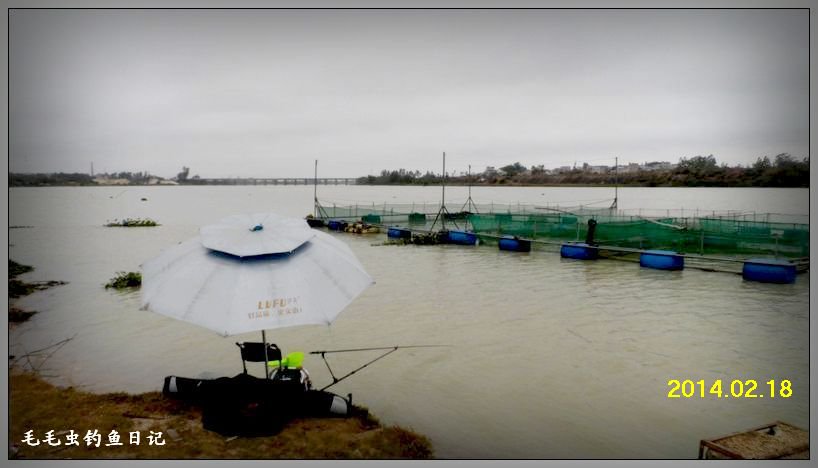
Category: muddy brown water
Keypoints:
(548, 358)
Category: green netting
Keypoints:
(728, 233)
(688, 235)
(417, 218)
(415, 212)
(788, 239)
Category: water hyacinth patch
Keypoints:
(122, 280)
(133, 222)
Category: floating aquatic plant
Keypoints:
(122, 280)
(133, 222)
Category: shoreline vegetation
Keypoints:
(699, 171)
(38, 406)
(782, 170)
(18, 289)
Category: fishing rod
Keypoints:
(391, 349)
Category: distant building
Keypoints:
(105, 180)
(594, 169)
(631, 167)
(562, 169)
(658, 166)
(161, 181)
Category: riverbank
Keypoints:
(37, 406)
(40, 407)
(18, 289)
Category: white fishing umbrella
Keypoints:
(246, 235)
(254, 272)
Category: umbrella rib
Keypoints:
(346, 292)
(352, 260)
(194, 300)
(160, 285)
(355, 263)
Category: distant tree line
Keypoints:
(783, 170)
(699, 171)
(401, 177)
(75, 178)
(40, 179)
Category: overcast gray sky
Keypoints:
(262, 93)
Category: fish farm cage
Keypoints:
(706, 237)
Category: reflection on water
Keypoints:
(548, 358)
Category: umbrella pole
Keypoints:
(266, 361)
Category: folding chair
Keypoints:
(254, 352)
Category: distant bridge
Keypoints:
(277, 181)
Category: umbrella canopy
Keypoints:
(237, 277)
(244, 235)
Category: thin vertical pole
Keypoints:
(443, 197)
(266, 360)
(469, 183)
(470, 203)
(315, 189)
(443, 183)
(616, 182)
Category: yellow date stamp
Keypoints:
(736, 388)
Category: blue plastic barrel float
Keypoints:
(514, 244)
(768, 270)
(662, 260)
(462, 238)
(579, 251)
(398, 233)
(336, 225)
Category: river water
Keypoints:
(547, 358)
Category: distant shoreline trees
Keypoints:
(783, 170)
(42, 179)
(83, 179)
(699, 171)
